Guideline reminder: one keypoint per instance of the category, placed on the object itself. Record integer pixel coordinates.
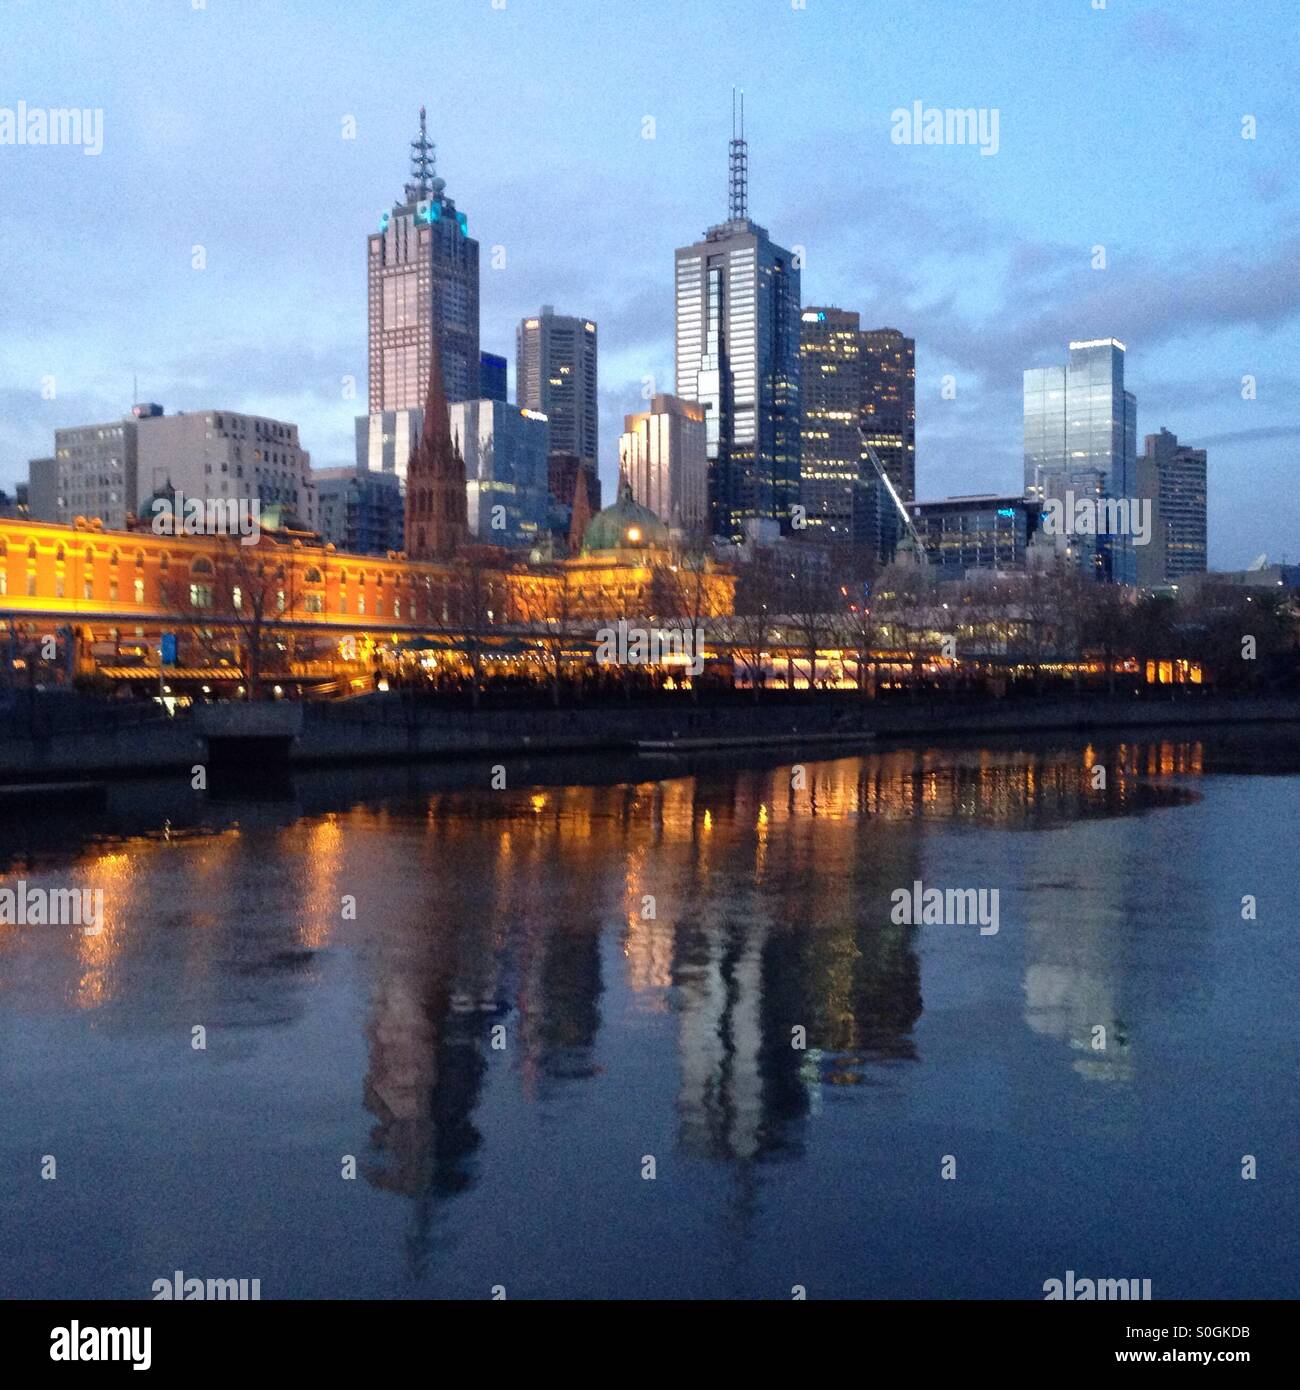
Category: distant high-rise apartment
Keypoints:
(225, 454)
(662, 455)
(737, 337)
(555, 374)
(93, 473)
(1080, 422)
(1173, 476)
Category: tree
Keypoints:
(548, 616)
(749, 628)
(809, 599)
(236, 597)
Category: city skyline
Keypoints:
(984, 261)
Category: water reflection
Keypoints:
(732, 920)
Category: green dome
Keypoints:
(626, 525)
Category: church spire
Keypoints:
(436, 512)
(580, 513)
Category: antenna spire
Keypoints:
(424, 180)
(739, 164)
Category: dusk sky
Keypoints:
(223, 127)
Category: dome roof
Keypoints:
(626, 525)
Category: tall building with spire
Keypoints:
(423, 282)
(436, 511)
(737, 338)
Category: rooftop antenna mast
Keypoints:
(424, 180)
(739, 164)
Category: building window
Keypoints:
(279, 600)
(200, 595)
(315, 603)
(237, 598)
(139, 590)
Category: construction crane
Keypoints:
(909, 526)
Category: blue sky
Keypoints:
(1119, 127)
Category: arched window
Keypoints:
(201, 565)
(313, 575)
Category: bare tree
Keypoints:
(749, 628)
(235, 597)
(809, 599)
(549, 616)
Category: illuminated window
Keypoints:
(139, 590)
(200, 595)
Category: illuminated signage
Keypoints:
(1006, 511)
(534, 415)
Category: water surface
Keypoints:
(608, 962)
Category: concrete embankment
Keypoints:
(100, 743)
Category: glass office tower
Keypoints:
(738, 356)
(1080, 422)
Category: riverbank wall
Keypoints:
(86, 741)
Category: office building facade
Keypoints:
(1174, 477)
(662, 454)
(226, 455)
(556, 375)
(737, 355)
(505, 450)
(358, 510)
(492, 376)
(1080, 423)
(93, 473)
(985, 532)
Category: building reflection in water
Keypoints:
(728, 908)
(746, 908)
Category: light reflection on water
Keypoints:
(542, 986)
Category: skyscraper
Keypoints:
(858, 388)
(1173, 475)
(555, 374)
(423, 274)
(738, 356)
(889, 386)
(835, 477)
(1081, 436)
